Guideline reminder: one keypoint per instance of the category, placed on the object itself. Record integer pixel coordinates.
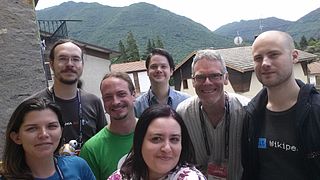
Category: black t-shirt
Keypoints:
(279, 157)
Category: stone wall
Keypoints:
(21, 70)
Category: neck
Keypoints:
(161, 91)
(283, 97)
(215, 112)
(65, 91)
(41, 167)
(122, 127)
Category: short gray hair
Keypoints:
(210, 55)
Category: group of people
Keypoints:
(164, 133)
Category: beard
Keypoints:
(121, 117)
(67, 81)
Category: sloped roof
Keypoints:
(314, 68)
(240, 58)
(129, 67)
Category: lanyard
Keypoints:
(60, 173)
(80, 114)
(151, 101)
(227, 128)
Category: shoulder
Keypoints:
(142, 96)
(87, 95)
(115, 176)
(45, 93)
(179, 93)
(97, 139)
(71, 161)
(186, 172)
(190, 102)
(239, 99)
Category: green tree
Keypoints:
(303, 43)
(123, 54)
(148, 50)
(132, 48)
(159, 43)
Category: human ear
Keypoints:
(15, 138)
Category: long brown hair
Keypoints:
(13, 164)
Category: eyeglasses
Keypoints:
(201, 78)
(65, 59)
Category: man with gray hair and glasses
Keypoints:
(214, 118)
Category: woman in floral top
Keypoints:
(162, 149)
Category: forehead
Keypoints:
(208, 66)
(67, 48)
(40, 117)
(164, 125)
(158, 59)
(268, 42)
(113, 84)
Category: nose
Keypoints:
(266, 62)
(116, 100)
(166, 146)
(43, 133)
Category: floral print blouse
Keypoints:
(184, 172)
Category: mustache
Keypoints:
(68, 70)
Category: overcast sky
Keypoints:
(213, 13)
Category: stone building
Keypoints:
(21, 70)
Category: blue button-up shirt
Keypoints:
(148, 98)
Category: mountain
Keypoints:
(251, 28)
(308, 25)
(106, 26)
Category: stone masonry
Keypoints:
(21, 69)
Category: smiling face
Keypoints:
(159, 70)
(274, 57)
(209, 91)
(67, 64)
(161, 146)
(117, 98)
(39, 134)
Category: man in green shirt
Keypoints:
(104, 150)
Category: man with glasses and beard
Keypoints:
(214, 118)
(104, 150)
(82, 112)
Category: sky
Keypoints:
(214, 14)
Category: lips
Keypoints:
(43, 144)
(165, 158)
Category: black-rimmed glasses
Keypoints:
(201, 78)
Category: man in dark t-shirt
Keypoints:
(82, 112)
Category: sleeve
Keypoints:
(88, 156)
(86, 172)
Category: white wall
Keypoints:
(94, 70)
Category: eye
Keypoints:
(53, 126)
(76, 59)
(122, 94)
(257, 58)
(175, 140)
(156, 139)
(31, 129)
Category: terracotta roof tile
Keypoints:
(314, 68)
(240, 58)
(129, 67)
